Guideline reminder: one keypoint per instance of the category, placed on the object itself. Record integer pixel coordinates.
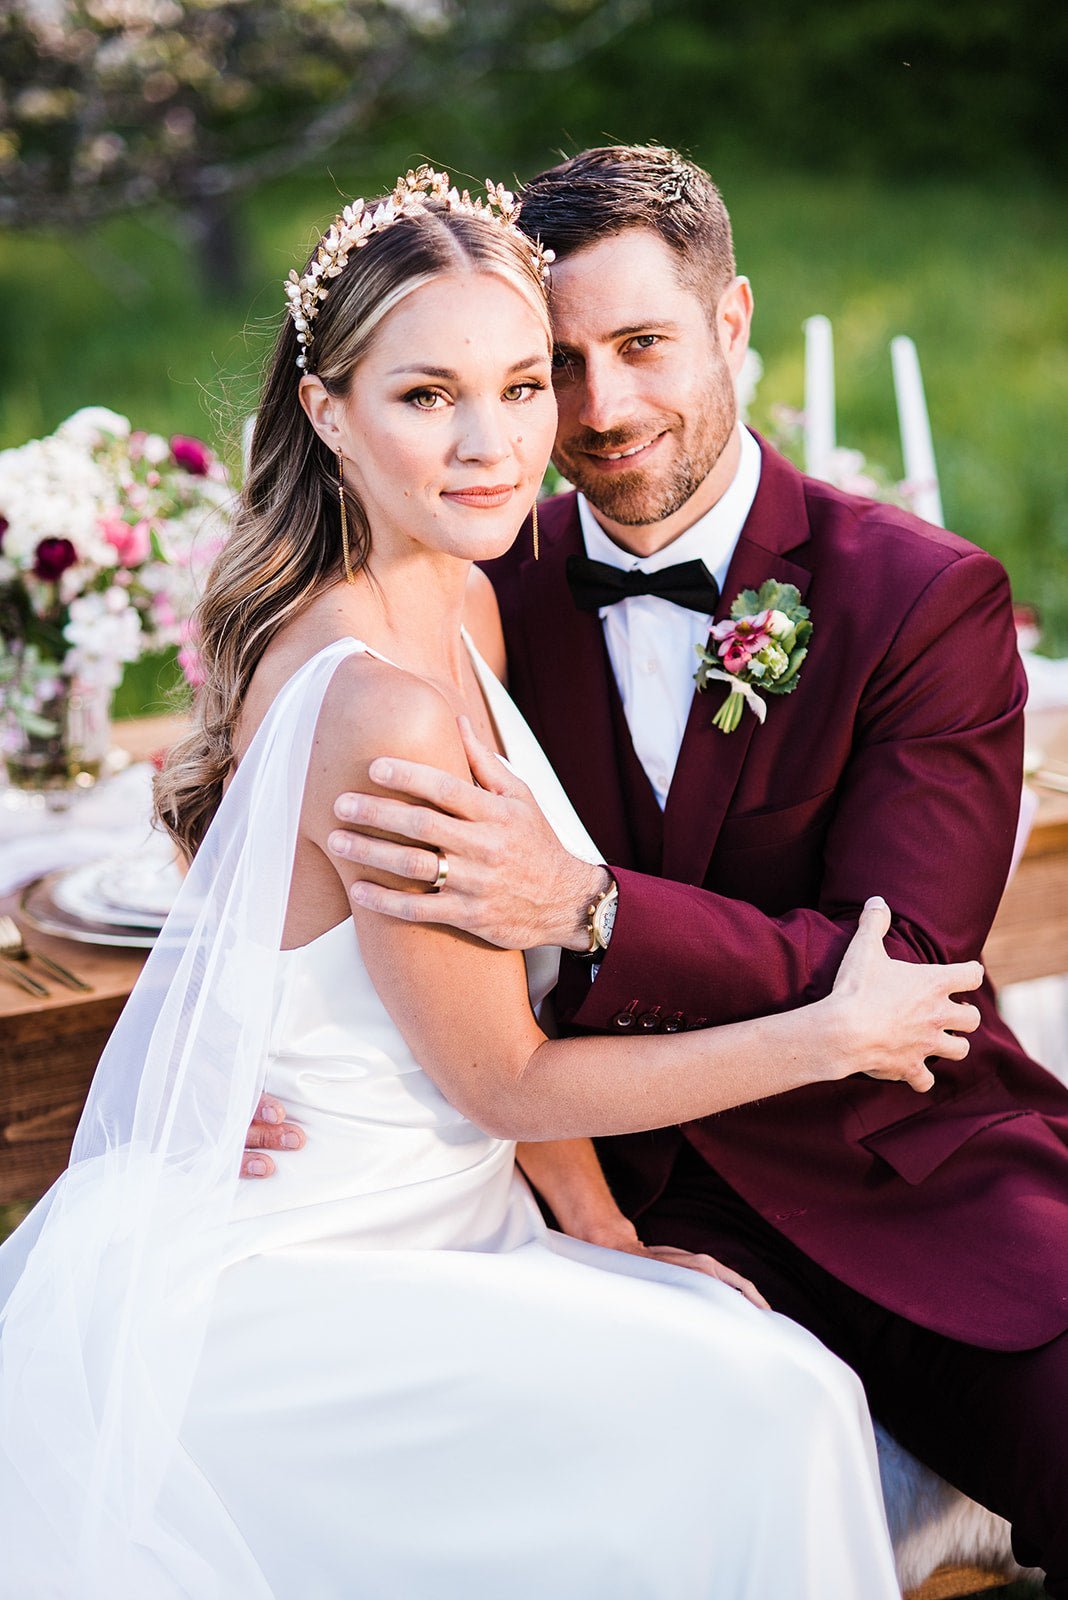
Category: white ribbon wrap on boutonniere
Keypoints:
(757, 651)
(745, 691)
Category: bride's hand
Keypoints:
(614, 1231)
(894, 1014)
(695, 1262)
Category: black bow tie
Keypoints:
(595, 584)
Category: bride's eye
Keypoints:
(426, 399)
(523, 391)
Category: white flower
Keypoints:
(86, 426)
(778, 624)
(155, 448)
(51, 489)
(105, 631)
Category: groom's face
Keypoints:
(644, 380)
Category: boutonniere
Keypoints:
(758, 651)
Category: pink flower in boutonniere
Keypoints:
(758, 650)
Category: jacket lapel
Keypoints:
(710, 762)
(572, 684)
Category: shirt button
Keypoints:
(650, 667)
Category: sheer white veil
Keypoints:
(106, 1288)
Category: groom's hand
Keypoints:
(508, 879)
(268, 1130)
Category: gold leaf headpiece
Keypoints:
(355, 225)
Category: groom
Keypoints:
(924, 1241)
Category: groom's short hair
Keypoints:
(605, 191)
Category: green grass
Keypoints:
(978, 277)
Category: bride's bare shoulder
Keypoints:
(372, 708)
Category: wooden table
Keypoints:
(48, 1049)
(1029, 938)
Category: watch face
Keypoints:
(606, 920)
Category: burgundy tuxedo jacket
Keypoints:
(894, 769)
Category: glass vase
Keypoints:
(69, 756)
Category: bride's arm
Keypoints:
(462, 1006)
(567, 1175)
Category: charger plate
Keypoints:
(40, 911)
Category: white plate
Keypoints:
(116, 892)
(147, 884)
(40, 911)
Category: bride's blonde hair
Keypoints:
(285, 546)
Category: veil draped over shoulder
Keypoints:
(106, 1289)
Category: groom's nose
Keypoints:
(608, 400)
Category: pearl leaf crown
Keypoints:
(354, 226)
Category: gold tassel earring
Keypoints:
(350, 576)
(534, 516)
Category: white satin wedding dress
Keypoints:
(409, 1389)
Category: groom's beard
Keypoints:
(685, 458)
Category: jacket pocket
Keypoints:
(917, 1145)
(776, 826)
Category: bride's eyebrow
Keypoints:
(449, 376)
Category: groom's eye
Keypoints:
(563, 364)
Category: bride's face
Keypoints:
(450, 417)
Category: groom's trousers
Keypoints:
(993, 1423)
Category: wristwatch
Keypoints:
(600, 919)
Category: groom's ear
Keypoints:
(321, 408)
(734, 316)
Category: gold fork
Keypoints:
(13, 948)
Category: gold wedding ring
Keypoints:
(443, 871)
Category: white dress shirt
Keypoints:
(652, 643)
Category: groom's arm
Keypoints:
(926, 816)
(926, 812)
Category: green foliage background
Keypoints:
(894, 166)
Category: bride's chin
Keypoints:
(490, 544)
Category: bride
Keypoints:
(380, 1375)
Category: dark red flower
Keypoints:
(4, 525)
(52, 558)
(192, 454)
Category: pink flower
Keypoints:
(189, 661)
(738, 641)
(52, 558)
(192, 454)
(132, 545)
(735, 655)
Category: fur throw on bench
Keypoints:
(934, 1525)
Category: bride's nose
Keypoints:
(483, 434)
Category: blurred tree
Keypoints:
(106, 105)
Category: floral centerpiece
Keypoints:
(105, 535)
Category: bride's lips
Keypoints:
(483, 499)
(625, 460)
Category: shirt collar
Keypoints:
(711, 538)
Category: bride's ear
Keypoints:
(322, 410)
